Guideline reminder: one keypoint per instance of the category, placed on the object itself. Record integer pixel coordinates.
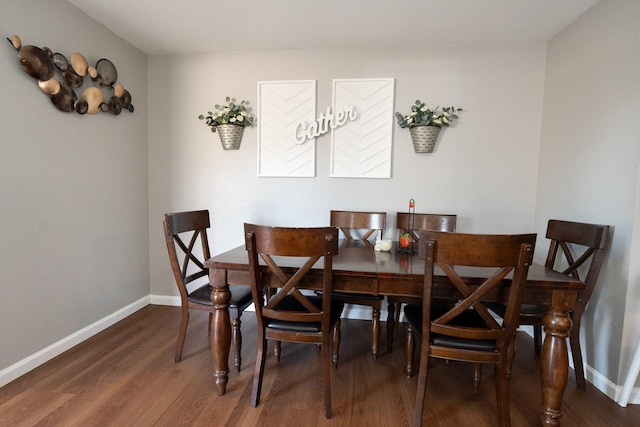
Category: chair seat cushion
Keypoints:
(240, 296)
(469, 318)
(290, 303)
(528, 312)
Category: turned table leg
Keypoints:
(220, 328)
(554, 364)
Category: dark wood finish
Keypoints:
(413, 224)
(351, 223)
(564, 236)
(125, 376)
(183, 231)
(357, 268)
(362, 226)
(289, 314)
(466, 331)
(575, 248)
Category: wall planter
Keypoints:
(229, 120)
(424, 138)
(230, 136)
(424, 124)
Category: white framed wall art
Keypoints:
(282, 107)
(362, 147)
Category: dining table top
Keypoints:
(356, 257)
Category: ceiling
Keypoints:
(159, 27)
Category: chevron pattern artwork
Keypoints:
(362, 148)
(282, 106)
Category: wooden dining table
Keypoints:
(359, 269)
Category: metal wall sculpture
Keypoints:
(105, 95)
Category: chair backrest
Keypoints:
(182, 232)
(351, 221)
(504, 254)
(413, 223)
(288, 254)
(588, 242)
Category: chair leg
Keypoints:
(259, 369)
(182, 332)
(277, 349)
(326, 377)
(537, 338)
(502, 395)
(336, 343)
(409, 347)
(477, 376)
(421, 392)
(511, 354)
(391, 323)
(375, 330)
(236, 339)
(576, 354)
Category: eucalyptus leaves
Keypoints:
(421, 115)
(230, 113)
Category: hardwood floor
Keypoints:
(125, 376)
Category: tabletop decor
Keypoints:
(229, 121)
(406, 239)
(424, 124)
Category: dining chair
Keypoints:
(183, 231)
(365, 226)
(412, 224)
(575, 248)
(467, 331)
(281, 258)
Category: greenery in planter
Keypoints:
(230, 113)
(421, 115)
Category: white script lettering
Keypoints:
(323, 123)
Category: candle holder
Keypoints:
(405, 239)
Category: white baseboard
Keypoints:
(33, 361)
(165, 300)
(599, 381)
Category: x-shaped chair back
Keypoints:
(351, 223)
(504, 254)
(275, 244)
(183, 231)
(577, 247)
(413, 223)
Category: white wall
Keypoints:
(589, 164)
(484, 168)
(73, 189)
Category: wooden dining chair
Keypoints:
(412, 224)
(290, 314)
(575, 248)
(363, 226)
(467, 331)
(183, 231)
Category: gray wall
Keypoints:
(484, 168)
(589, 163)
(73, 189)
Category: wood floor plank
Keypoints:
(126, 376)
